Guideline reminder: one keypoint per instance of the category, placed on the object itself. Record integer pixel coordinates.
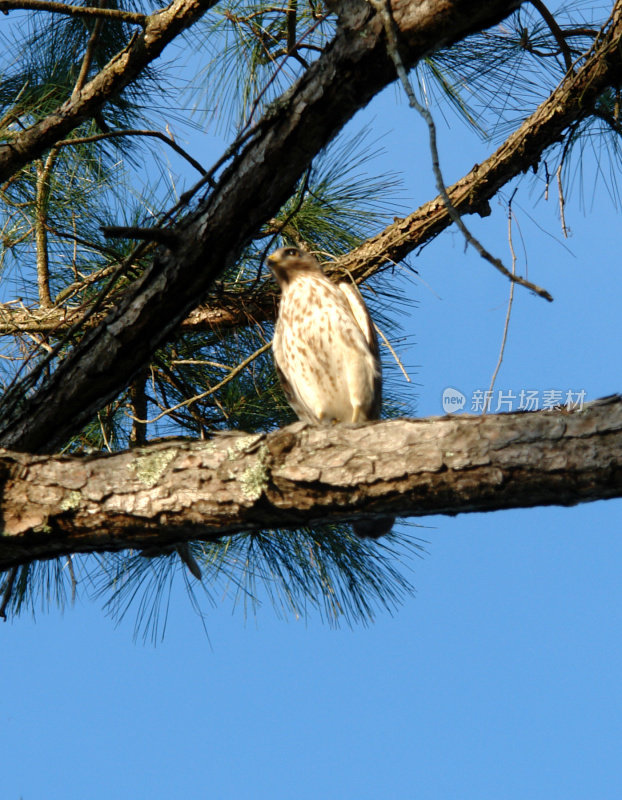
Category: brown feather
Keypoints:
(326, 351)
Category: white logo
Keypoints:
(453, 400)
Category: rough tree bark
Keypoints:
(301, 475)
(175, 491)
(223, 310)
(571, 101)
(160, 29)
(353, 68)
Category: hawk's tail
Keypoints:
(373, 528)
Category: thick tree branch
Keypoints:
(66, 8)
(571, 101)
(352, 69)
(160, 29)
(469, 195)
(224, 310)
(301, 475)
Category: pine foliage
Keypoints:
(229, 68)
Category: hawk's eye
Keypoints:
(291, 251)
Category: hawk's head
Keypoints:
(288, 261)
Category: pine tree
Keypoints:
(137, 307)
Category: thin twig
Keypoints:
(88, 56)
(247, 132)
(208, 177)
(285, 224)
(547, 180)
(73, 579)
(48, 348)
(508, 313)
(560, 194)
(139, 404)
(556, 31)
(14, 393)
(382, 8)
(380, 333)
(280, 66)
(10, 115)
(77, 286)
(611, 119)
(159, 235)
(166, 375)
(194, 399)
(558, 175)
(74, 256)
(63, 8)
(7, 591)
(291, 24)
(103, 430)
(197, 361)
(115, 134)
(44, 171)
(392, 351)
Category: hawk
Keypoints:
(326, 351)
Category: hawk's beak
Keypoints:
(274, 261)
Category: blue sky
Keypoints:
(499, 679)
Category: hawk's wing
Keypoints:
(360, 313)
(291, 397)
